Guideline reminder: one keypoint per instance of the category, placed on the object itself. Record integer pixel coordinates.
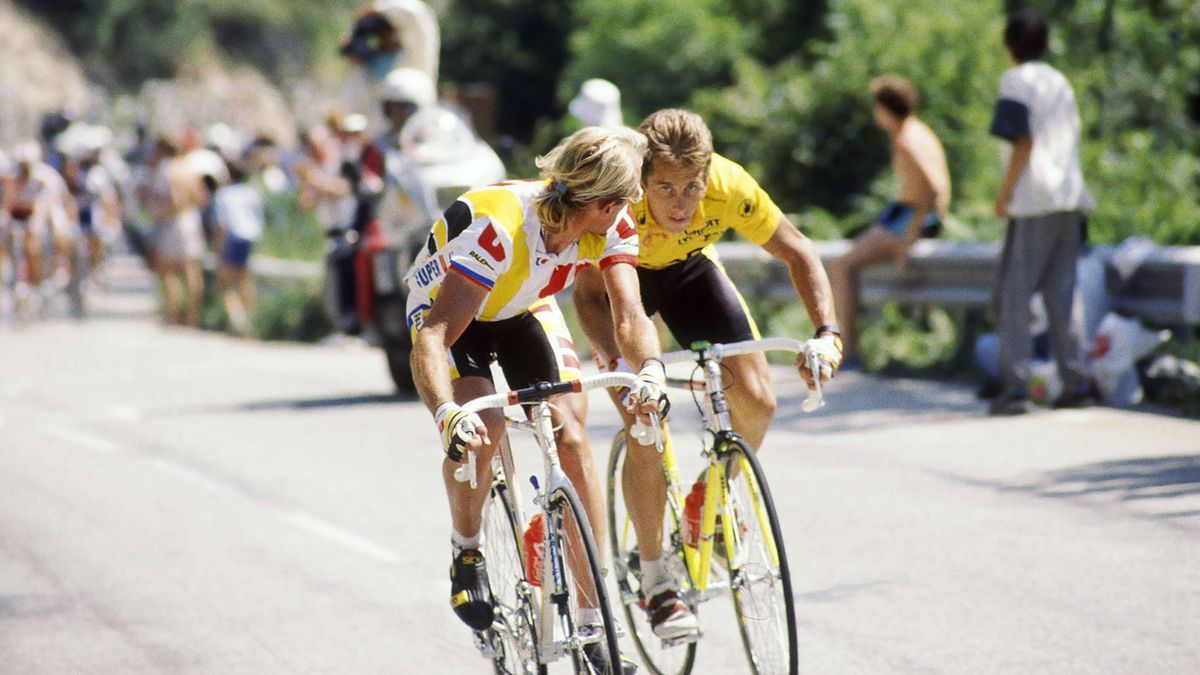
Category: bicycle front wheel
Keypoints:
(513, 635)
(758, 567)
(583, 585)
(660, 658)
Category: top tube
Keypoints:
(544, 390)
(720, 351)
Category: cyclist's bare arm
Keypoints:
(637, 340)
(590, 298)
(456, 305)
(808, 277)
(633, 332)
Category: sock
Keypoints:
(461, 543)
(590, 616)
(656, 578)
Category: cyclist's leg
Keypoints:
(466, 504)
(33, 253)
(876, 245)
(726, 319)
(645, 491)
(538, 347)
(751, 400)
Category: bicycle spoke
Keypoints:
(582, 581)
(513, 634)
(658, 657)
(760, 577)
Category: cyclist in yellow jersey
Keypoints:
(693, 196)
(483, 290)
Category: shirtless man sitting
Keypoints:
(922, 198)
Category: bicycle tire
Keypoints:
(516, 643)
(570, 523)
(761, 587)
(659, 658)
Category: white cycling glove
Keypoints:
(828, 349)
(651, 386)
(457, 427)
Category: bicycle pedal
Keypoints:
(683, 639)
(484, 643)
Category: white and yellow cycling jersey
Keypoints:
(493, 237)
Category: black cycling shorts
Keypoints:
(534, 346)
(697, 301)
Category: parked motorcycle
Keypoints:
(436, 157)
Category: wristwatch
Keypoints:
(828, 328)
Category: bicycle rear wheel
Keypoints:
(513, 634)
(659, 657)
(582, 581)
(758, 567)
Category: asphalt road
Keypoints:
(181, 502)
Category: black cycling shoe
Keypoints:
(470, 595)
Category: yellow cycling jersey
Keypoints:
(493, 237)
(733, 199)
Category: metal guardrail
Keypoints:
(1165, 288)
(276, 268)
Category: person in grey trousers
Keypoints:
(1045, 201)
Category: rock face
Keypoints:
(218, 92)
(38, 74)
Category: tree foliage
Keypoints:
(801, 121)
(782, 83)
(517, 47)
(125, 42)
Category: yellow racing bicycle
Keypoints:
(739, 548)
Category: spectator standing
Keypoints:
(1044, 199)
(238, 207)
(175, 195)
(922, 198)
(322, 190)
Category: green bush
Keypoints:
(292, 311)
(289, 232)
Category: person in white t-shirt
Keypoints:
(1045, 200)
(238, 208)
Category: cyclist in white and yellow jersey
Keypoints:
(483, 290)
(693, 196)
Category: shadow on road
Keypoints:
(319, 403)
(276, 405)
(858, 402)
(1128, 480)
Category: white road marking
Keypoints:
(304, 521)
(79, 438)
(337, 535)
(198, 477)
(125, 413)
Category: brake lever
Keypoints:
(815, 399)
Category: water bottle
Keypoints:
(691, 513)
(534, 549)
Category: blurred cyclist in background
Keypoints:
(41, 209)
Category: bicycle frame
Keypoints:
(719, 426)
(553, 609)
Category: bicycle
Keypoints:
(536, 625)
(738, 526)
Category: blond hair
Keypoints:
(591, 165)
(677, 136)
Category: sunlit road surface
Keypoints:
(181, 502)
